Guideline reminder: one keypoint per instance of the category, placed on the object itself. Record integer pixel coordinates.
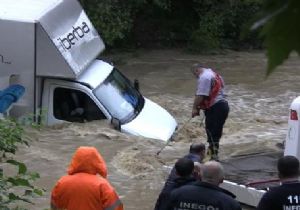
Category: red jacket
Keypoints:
(216, 86)
(83, 188)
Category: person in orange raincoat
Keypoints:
(85, 187)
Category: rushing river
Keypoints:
(257, 122)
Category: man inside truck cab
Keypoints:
(75, 106)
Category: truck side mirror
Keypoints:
(136, 84)
(116, 123)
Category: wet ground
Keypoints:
(257, 122)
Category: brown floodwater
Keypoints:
(259, 108)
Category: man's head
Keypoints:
(198, 149)
(196, 69)
(184, 167)
(288, 167)
(212, 172)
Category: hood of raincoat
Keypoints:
(87, 160)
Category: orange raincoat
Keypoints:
(82, 188)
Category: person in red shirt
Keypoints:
(86, 186)
(210, 98)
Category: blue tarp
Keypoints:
(10, 95)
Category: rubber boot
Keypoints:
(214, 152)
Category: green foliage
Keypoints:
(10, 135)
(222, 23)
(236, 22)
(111, 19)
(201, 24)
(17, 187)
(281, 30)
(34, 120)
(207, 36)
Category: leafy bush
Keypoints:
(200, 24)
(221, 24)
(207, 36)
(112, 19)
(18, 187)
(279, 21)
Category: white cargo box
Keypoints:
(46, 38)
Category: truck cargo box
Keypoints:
(46, 38)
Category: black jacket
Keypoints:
(202, 195)
(285, 196)
(172, 176)
(164, 196)
(174, 181)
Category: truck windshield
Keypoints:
(119, 97)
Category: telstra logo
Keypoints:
(2, 60)
(76, 34)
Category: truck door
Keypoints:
(72, 104)
(75, 106)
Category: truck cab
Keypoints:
(104, 93)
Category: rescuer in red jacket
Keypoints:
(211, 99)
(85, 187)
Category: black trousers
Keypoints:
(215, 118)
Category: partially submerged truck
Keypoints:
(50, 48)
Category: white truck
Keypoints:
(50, 47)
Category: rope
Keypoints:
(169, 140)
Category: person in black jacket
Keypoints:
(184, 168)
(205, 194)
(196, 154)
(287, 195)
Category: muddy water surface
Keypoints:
(257, 122)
